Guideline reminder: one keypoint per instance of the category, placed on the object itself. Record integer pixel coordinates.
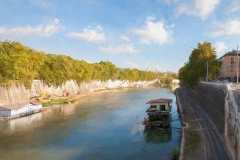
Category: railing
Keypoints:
(158, 113)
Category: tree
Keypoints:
(195, 69)
(6, 62)
(23, 64)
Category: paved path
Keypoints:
(212, 145)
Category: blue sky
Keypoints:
(157, 35)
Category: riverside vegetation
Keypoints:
(23, 64)
(202, 64)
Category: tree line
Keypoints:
(202, 65)
(23, 64)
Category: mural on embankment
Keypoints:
(16, 92)
(218, 101)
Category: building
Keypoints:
(230, 66)
(20, 109)
(159, 113)
(175, 81)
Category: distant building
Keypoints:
(175, 81)
(228, 70)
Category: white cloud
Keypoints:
(150, 18)
(233, 7)
(201, 8)
(51, 28)
(45, 5)
(171, 26)
(153, 32)
(123, 48)
(219, 46)
(28, 31)
(168, 2)
(90, 35)
(231, 27)
(122, 37)
(99, 28)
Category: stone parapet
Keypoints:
(218, 102)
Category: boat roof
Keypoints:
(4, 109)
(14, 106)
(160, 100)
(35, 102)
(18, 105)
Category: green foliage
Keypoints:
(54, 102)
(22, 64)
(195, 69)
(175, 154)
(166, 78)
(104, 71)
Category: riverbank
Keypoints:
(73, 98)
(56, 102)
(191, 140)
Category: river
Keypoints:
(102, 126)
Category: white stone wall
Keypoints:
(13, 93)
(17, 93)
(232, 125)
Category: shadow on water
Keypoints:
(157, 135)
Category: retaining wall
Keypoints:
(17, 92)
(218, 102)
(211, 98)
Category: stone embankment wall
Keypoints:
(218, 102)
(232, 121)
(211, 98)
(17, 92)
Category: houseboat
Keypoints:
(20, 109)
(159, 113)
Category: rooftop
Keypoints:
(161, 100)
(18, 105)
(231, 53)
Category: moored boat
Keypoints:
(159, 113)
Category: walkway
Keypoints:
(202, 140)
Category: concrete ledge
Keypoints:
(181, 157)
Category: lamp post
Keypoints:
(207, 73)
(237, 64)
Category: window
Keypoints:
(232, 60)
(162, 108)
(153, 106)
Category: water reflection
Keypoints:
(30, 122)
(157, 135)
(107, 126)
